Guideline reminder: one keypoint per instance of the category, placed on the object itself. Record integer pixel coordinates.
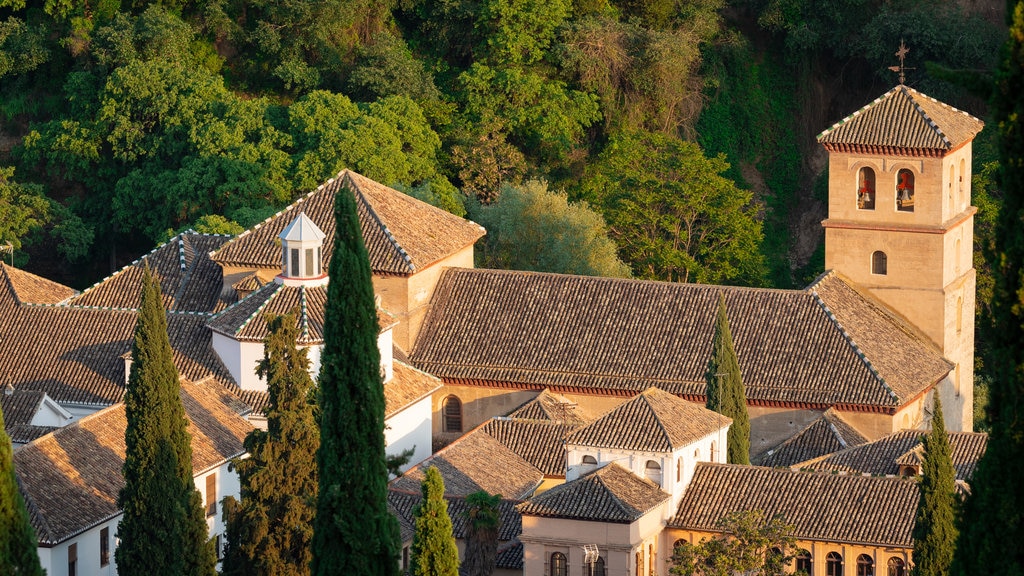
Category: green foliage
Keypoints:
(18, 553)
(217, 224)
(443, 195)
(672, 213)
(518, 31)
(725, 392)
(23, 209)
(23, 48)
(354, 534)
(532, 228)
(985, 195)
(749, 543)
(271, 530)
(387, 67)
(482, 534)
(485, 159)
(163, 529)
(934, 525)
(433, 544)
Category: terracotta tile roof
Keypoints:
(885, 455)
(402, 502)
(19, 406)
(249, 283)
(828, 434)
(608, 494)
(189, 280)
(402, 234)
(654, 421)
(71, 478)
(539, 442)
(27, 288)
(25, 433)
(904, 118)
(553, 407)
(246, 320)
(476, 462)
(827, 507)
(407, 386)
(620, 336)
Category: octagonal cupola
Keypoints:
(301, 254)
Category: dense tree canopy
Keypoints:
(750, 543)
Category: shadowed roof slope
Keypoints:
(27, 288)
(654, 421)
(246, 320)
(828, 434)
(402, 234)
(579, 333)
(608, 494)
(903, 119)
(539, 442)
(821, 506)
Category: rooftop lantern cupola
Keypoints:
(301, 261)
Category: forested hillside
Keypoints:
(687, 126)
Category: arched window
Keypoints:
(714, 450)
(652, 471)
(866, 189)
(897, 567)
(833, 564)
(879, 263)
(865, 565)
(696, 454)
(559, 566)
(452, 414)
(587, 464)
(959, 314)
(961, 196)
(803, 562)
(679, 470)
(905, 190)
(952, 177)
(640, 562)
(597, 568)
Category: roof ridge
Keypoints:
(623, 507)
(657, 417)
(132, 264)
(927, 118)
(376, 218)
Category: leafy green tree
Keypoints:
(433, 544)
(725, 391)
(354, 534)
(992, 525)
(935, 525)
(163, 529)
(672, 214)
(272, 527)
(23, 208)
(386, 67)
(482, 534)
(532, 228)
(749, 543)
(18, 553)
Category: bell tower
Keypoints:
(901, 225)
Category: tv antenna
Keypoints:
(590, 556)
(902, 68)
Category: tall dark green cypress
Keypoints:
(163, 530)
(725, 392)
(354, 534)
(992, 521)
(433, 545)
(271, 531)
(935, 525)
(17, 539)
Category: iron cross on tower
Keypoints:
(902, 55)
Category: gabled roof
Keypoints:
(539, 442)
(246, 320)
(27, 288)
(900, 121)
(884, 456)
(608, 494)
(654, 421)
(71, 478)
(616, 336)
(402, 234)
(827, 434)
(826, 507)
(552, 407)
(19, 406)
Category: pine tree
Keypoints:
(482, 534)
(992, 522)
(354, 534)
(163, 530)
(17, 539)
(935, 526)
(270, 531)
(433, 545)
(725, 392)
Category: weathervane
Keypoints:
(902, 55)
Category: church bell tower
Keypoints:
(901, 225)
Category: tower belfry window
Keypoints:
(866, 189)
(905, 191)
(295, 262)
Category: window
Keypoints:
(211, 494)
(309, 263)
(679, 470)
(559, 566)
(295, 263)
(316, 271)
(803, 562)
(905, 191)
(866, 189)
(640, 562)
(405, 559)
(73, 560)
(218, 545)
(879, 263)
(897, 567)
(834, 564)
(452, 414)
(865, 565)
(960, 191)
(652, 471)
(597, 568)
(588, 464)
(959, 314)
(104, 546)
(714, 450)
(284, 259)
(952, 176)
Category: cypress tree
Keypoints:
(433, 546)
(163, 530)
(271, 531)
(17, 539)
(935, 525)
(992, 522)
(354, 534)
(725, 392)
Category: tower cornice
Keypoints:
(943, 228)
